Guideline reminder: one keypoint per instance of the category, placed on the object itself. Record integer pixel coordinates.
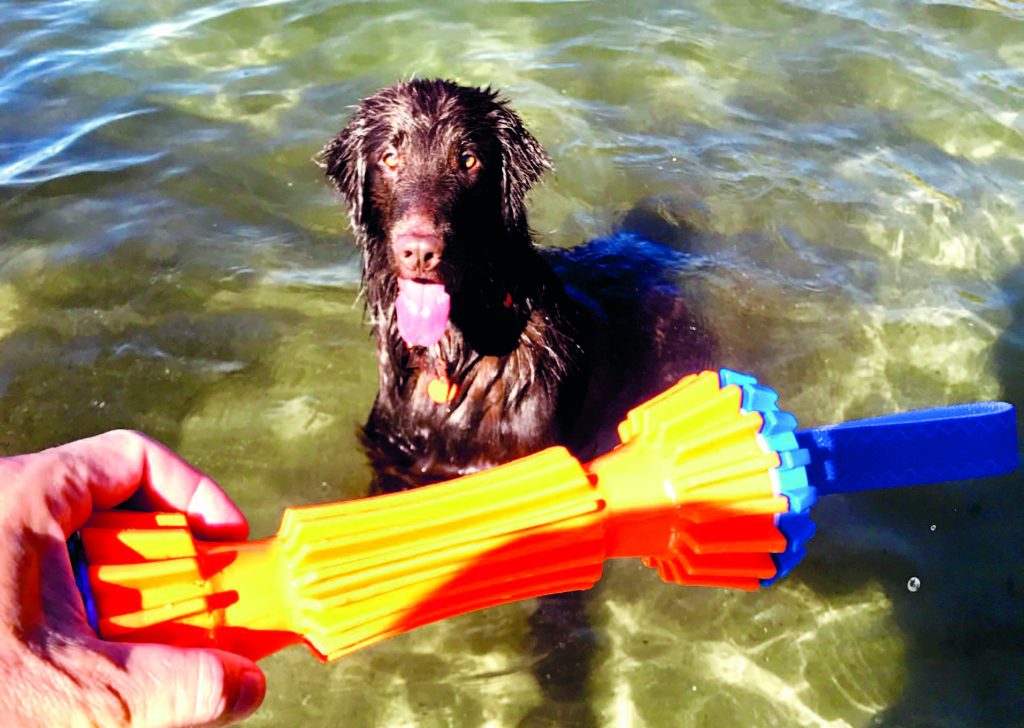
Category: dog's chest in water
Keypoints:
(486, 404)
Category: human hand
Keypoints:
(54, 670)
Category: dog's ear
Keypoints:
(523, 161)
(344, 164)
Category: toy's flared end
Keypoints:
(790, 477)
(717, 445)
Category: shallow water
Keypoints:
(170, 260)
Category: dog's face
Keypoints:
(435, 176)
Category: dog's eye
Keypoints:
(390, 160)
(468, 160)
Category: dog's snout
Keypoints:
(417, 245)
(418, 255)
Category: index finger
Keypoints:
(102, 471)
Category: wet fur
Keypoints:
(545, 346)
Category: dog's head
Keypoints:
(435, 176)
(432, 169)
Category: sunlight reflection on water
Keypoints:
(171, 260)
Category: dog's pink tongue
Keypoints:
(422, 312)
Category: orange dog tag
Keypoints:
(441, 390)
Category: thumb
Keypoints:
(172, 686)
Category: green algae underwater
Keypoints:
(172, 261)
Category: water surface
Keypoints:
(170, 260)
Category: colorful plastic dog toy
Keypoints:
(711, 486)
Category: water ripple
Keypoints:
(14, 172)
(858, 243)
(52, 63)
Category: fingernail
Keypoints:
(252, 686)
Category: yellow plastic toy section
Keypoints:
(689, 490)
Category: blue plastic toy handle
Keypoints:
(912, 448)
(80, 567)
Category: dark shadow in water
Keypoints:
(563, 645)
(963, 629)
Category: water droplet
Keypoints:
(914, 584)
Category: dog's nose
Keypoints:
(417, 254)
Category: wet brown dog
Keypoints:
(488, 347)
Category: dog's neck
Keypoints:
(496, 315)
